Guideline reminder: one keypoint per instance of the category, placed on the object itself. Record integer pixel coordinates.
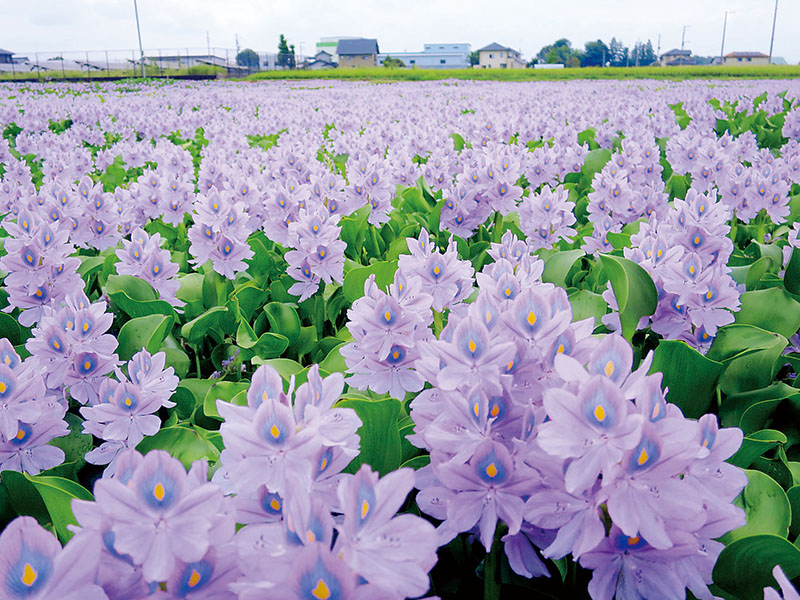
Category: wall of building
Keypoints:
(430, 60)
(499, 59)
(358, 60)
(747, 60)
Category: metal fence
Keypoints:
(160, 62)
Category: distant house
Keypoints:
(434, 56)
(747, 58)
(676, 57)
(5, 56)
(495, 56)
(321, 60)
(360, 52)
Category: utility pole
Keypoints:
(139, 33)
(722, 48)
(237, 44)
(772, 37)
(208, 43)
(683, 36)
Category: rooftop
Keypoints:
(357, 46)
(676, 52)
(496, 46)
(747, 55)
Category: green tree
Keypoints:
(292, 59)
(618, 53)
(560, 52)
(283, 52)
(393, 63)
(247, 58)
(595, 54)
(474, 58)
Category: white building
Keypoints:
(434, 56)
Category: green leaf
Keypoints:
(267, 345)
(353, 286)
(380, 439)
(766, 506)
(633, 289)
(755, 272)
(283, 319)
(557, 265)
(750, 410)
(755, 445)
(183, 443)
(46, 498)
(196, 329)
(744, 568)
(595, 161)
(142, 332)
(136, 298)
(793, 494)
(75, 446)
(792, 278)
(222, 390)
(749, 353)
(587, 304)
(9, 328)
(771, 309)
(334, 361)
(690, 377)
(284, 366)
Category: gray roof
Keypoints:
(5, 51)
(496, 46)
(746, 54)
(676, 52)
(357, 46)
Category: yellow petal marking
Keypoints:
(531, 318)
(388, 316)
(643, 457)
(472, 346)
(311, 537)
(159, 492)
(495, 410)
(632, 541)
(436, 270)
(560, 349)
(609, 370)
(709, 294)
(491, 470)
(194, 579)
(275, 432)
(321, 591)
(488, 316)
(600, 413)
(476, 409)
(29, 575)
(87, 365)
(364, 508)
(21, 435)
(2, 387)
(274, 504)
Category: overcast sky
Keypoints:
(50, 26)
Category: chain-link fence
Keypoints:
(200, 63)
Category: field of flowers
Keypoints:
(331, 340)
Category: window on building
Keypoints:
(502, 65)
(491, 55)
(412, 61)
(441, 61)
(749, 59)
(441, 47)
(502, 55)
(739, 59)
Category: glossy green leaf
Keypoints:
(267, 345)
(334, 361)
(766, 506)
(755, 445)
(751, 410)
(557, 265)
(744, 568)
(353, 286)
(75, 446)
(284, 366)
(143, 332)
(690, 377)
(9, 328)
(587, 304)
(283, 319)
(793, 494)
(46, 498)
(136, 297)
(772, 310)
(595, 161)
(791, 279)
(380, 439)
(196, 329)
(633, 289)
(749, 353)
(755, 272)
(222, 390)
(183, 443)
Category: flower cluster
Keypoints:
(686, 255)
(71, 346)
(41, 272)
(219, 233)
(28, 418)
(317, 254)
(124, 412)
(551, 432)
(546, 217)
(143, 257)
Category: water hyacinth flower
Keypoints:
(159, 517)
(142, 257)
(35, 567)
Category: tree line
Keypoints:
(597, 54)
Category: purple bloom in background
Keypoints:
(142, 257)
